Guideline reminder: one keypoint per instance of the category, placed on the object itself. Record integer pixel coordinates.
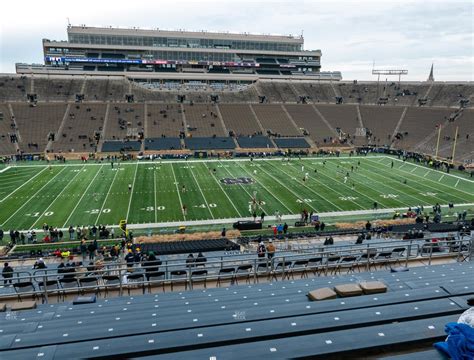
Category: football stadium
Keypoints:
(216, 195)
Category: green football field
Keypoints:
(86, 194)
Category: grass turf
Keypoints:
(86, 194)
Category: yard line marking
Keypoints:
(177, 190)
(441, 178)
(451, 175)
(106, 196)
(456, 184)
(14, 191)
(243, 188)
(199, 187)
(413, 169)
(426, 173)
(83, 194)
(133, 190)
(57, 197)
(154, 189)
(32, 197)
(353, 190)
(397, 189)
(402, 166)
(435, 187)
(319, 196)
(218, 183)
(266, 189)
(297, 196)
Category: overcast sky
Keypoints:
(352, 35)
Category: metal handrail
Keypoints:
(412, 251)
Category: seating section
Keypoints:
(121, 146)
(418, 124)
(276, 91)
(239, 119)
(272, 320)
(7, 128)
(255, 142)
(316, 91)
(14, 88)
(58, 89)
(359, 93)
(380, 123)
(35, 123)
(203, 121)
(82, 128)
(311, 123)
(216, 143)
(275, 121)
(125, 121)
(287, 143)
(343, 117)
(164, 120)
(192, 246)
(163, 144)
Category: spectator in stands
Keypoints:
(83, 249)
(151, 265)
(190, 261)
(270, 249)
(91, 250)
(1, 235)
(201, 260)
(129, 258)
(39, 264)
(329, 241)
(261, 250)
(7, 274)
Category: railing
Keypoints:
(118, 276)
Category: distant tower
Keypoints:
(431, 77)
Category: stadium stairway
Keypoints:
(272, 320)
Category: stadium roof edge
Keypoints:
(182, 33)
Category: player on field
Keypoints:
(183, 189)
(129, 187)
(185, 210)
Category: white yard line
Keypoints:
(57, 197)
(284, 217)
(435, 186)
(353, 190)
(5, 169)
(314, 177)
(244, 189)
(154, 190)
(83, 194)
(412, 170)
(294, 193)
(423, 201)
(451, 175)
(18, 188)
(177, 190)
(456, 184)
(441, 178)
(33, 196)
(227, 196)
(133, 190)
(106, 196)
(266, 189)
(199, 187)
(426, 173)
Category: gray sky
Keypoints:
(351, 34)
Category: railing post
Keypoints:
(254, 271)
(45, 289)
(190, 281)
(408, 253)
(368, 258)
(120, 282)
(431, 253)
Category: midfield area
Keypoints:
(174, 191)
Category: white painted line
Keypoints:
(426, 173)
(84, 193)
(441, 178)
(57, 197)
(32, 197)
(219, 183)
(154, 189)
(268, 190)
(133, 190)
(18, 188)
(457, 182)
(106, 196)
(5, 169)
(199, 187)
(177, 190)
(413, 169)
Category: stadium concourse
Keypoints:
(81, 153)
